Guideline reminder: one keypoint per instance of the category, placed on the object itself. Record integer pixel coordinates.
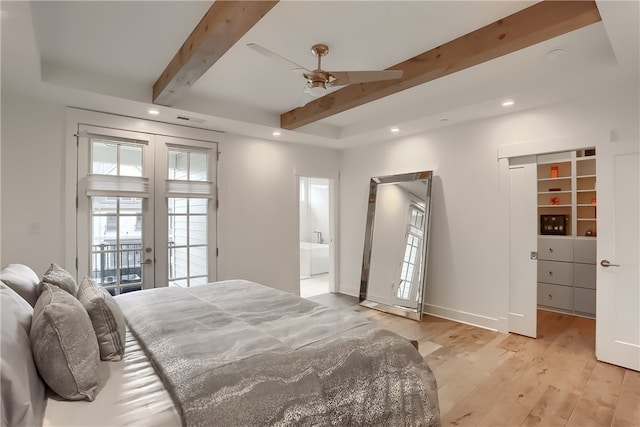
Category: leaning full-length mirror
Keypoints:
(394, 264)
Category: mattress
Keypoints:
(131, 394)
(239, 353)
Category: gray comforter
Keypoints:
(238, 353)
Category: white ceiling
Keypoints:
(106, 55)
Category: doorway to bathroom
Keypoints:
(315, 237)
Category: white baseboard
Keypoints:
(485, 322)
(493, 324)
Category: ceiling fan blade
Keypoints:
(280, 59)
(352, 77)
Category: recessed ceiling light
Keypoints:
(276, 133)
(394, 130)
(508, 103)
(555, 53)
(153, 112)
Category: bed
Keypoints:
(240, 353)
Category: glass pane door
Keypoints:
(188, 243)
(115, 223)
(116, 243)
(186, 212)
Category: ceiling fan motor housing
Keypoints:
(319, 50)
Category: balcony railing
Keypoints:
(104, 271)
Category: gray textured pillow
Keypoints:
(61, 278)
(22, 389)
(64, 345)
(106, 316)
(23, 280)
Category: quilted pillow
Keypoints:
(64, 345)
(23, 400)
(107, 318)
(23, 280)
(61, 278)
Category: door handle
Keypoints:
(606, 263)
(146, 261)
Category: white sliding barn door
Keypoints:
(618, 289)
(522, 237)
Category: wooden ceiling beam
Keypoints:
(221, 27)
(530, 26)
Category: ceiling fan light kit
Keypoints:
(316, 88)
(318, 80)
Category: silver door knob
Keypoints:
(146, 261)
(606, 263)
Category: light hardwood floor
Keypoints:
(487, 378)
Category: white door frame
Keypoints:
(333, 223)
(530, 148)
(76, 117)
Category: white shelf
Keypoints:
(560, 178)
(554, 206)
(586, 191)
(555, 192)
(585, 176)
(586, 205)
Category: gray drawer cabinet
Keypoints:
(567, 274)
(555, 249)
(584, 275)
(559, 273)
(584, 301)
(584, 251)
(555, 296)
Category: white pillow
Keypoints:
(22, 388)
(23, 280)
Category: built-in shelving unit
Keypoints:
(586, 201)
(567, 250)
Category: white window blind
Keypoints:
(181, 188)
(117, 186)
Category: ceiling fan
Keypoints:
(318, 80)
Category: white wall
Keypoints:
(257, 220)
(464, 244)
(259, 208)
(32, 182)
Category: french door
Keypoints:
(146, 209)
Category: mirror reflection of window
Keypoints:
(410, 271)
